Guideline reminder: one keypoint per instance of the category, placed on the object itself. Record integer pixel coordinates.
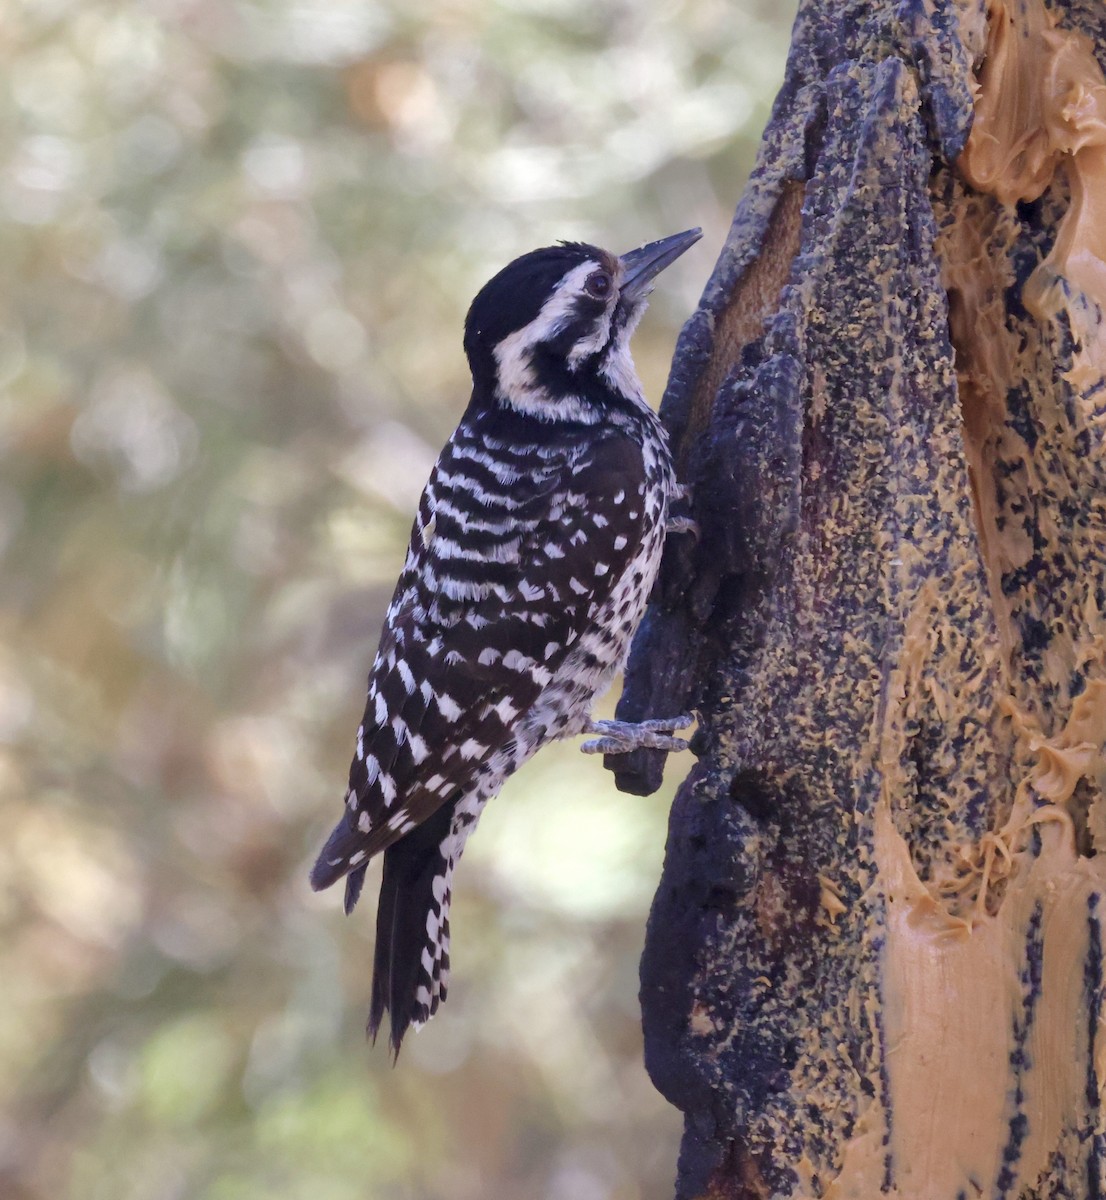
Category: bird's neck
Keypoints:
(630, 416)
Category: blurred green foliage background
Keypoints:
(238, 238)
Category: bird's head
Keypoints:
(549, 335)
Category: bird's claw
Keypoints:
(682, 525)
(622, 737)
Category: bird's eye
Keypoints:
(598, 284)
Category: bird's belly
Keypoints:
(564, 707)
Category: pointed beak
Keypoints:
(641, 266)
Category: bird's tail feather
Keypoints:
(355, 881)
(411, 960)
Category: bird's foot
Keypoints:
(621, 737)
(682, 525)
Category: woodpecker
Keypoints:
(533, 552)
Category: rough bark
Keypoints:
(874, 962)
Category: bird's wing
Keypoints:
(507, 567)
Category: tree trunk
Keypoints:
(874, 961)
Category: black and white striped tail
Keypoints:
(411, 961)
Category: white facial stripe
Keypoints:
(592, 345)
(586, 347)
(512, 357)
(513, 354)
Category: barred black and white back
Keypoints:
(535, 546)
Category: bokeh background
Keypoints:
(237, 242)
